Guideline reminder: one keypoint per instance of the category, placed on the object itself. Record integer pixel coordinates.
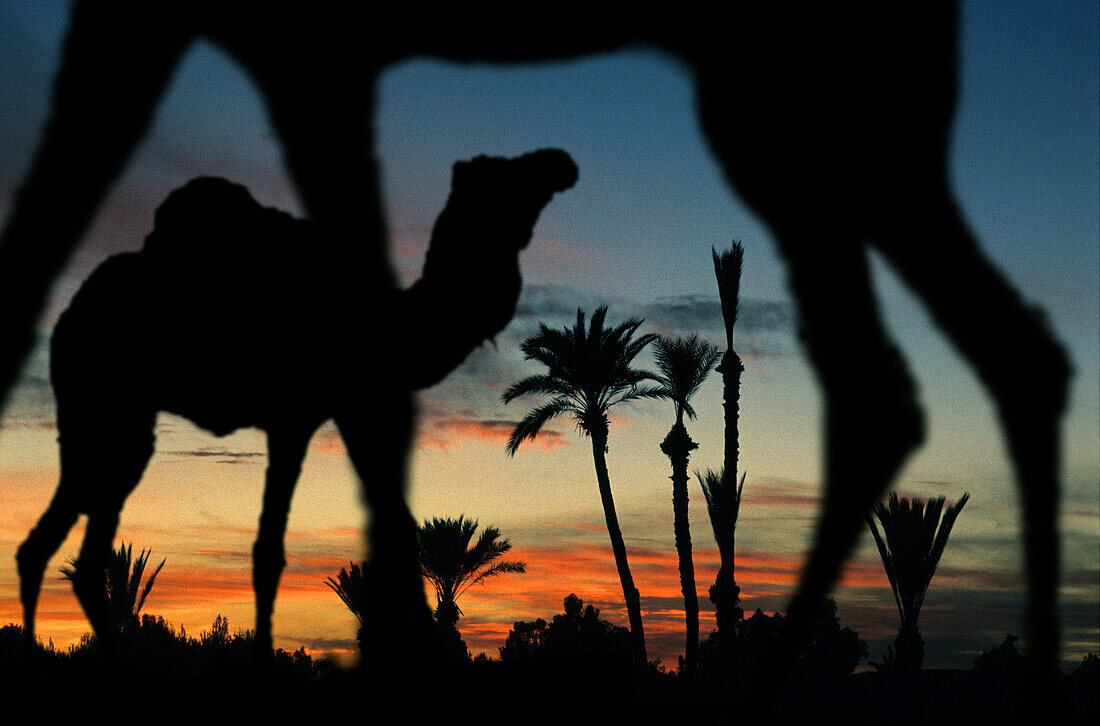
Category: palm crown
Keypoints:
(123, 582)
(350, 586)
(588, 371)
(452, 566)
(684, 364)
(911, 543)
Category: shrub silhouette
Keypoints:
(578, 630)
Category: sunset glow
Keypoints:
(636, 233)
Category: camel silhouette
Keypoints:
(236, 315)
(831, 122)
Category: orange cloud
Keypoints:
(445, 433)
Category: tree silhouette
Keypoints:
(452, 566)
(588, 372)
(911, 543)
(122, 582)
(721, 489)
(578, 630)
(683, 365)
(349, 586)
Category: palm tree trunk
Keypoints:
(909, 648)
(618, 547)
(725, 594)
(678, 446)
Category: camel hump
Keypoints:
(211, 218)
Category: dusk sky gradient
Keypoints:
(635, 233)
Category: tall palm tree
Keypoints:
(911, 542)
(588, 372)
(123, 581)
(453, 566)
(683, 365)
(721, 489)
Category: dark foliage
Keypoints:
(578, 630)
(1003, 664)
(156, 647)
(729, 658)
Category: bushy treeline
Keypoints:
(154, 645)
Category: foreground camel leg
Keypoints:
(871, 422)
(36, 551)
(286, 451)
(1024, 369)
(82, 151)
(398, 635)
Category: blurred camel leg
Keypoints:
(40, 546)
(1024, 369)
(82, 151)
(332, 163)
(398, 635)
(870, 419)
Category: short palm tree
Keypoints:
(453, 566)
(911, 542)
(123, 581)
(683, 365)
(348, 585)
(589, 371)
(721, 489)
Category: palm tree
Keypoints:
(683, 364)
(122, 579)
(452, 566)
(349, 586)
(721, 489)
(588, 372)
(911, 543)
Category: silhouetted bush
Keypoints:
(152, 645)
(1084, 686)
(728, 659)
(579, 630)
(1003, 663)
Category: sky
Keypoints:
(636, 234)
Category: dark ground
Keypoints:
(566, 691)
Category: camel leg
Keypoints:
(397, 620)
(286, 450)
(871, 420)
(1025, 370)
(81, 153)
(89, 583)
(34, 554)
(102, 460)
(321, 109)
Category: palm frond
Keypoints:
(124, 582)
(530, 425)
(148, 585)
(684, 364)
(911, 542)
(723, 503)
(588, 370)
(500, 568)
(727, 270)
(538, 385)
(350, 587)
(451, 565)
